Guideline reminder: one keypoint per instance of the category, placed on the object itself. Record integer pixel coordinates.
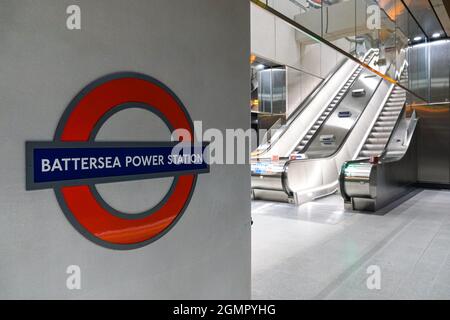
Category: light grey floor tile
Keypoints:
(439, 292)
(319, 250)
(346, 293)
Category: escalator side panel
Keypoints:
(302, 174)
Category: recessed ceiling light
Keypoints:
(436, 35)
(417, 38)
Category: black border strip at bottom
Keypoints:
(235, 310)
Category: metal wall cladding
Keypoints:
(272, 96)
(440, 71)
(434, 144)
(429, 71)
(432, 80)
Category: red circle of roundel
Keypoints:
(80, 120)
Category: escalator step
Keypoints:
(389, 114)
(396, 109)
(372, 147)
(379, 135)
(397, 105)
(397, 95)
(381, 141)
(393, 99)
(381, 129)
(387, 118)
(369, 153)
(386, 123)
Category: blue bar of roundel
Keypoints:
(121, 153)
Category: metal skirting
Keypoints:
(434, 144)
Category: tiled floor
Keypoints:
(319, 251)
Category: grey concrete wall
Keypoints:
(200, 49)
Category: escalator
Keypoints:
(383, 127)
(386, 167)
(370, 184)
(283, 139)
(312, 167)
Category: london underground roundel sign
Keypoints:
(73, 163)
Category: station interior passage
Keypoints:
(305, 157)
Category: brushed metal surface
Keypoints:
(440, 71)
(272, 94)
(434, 144)
(370, 187)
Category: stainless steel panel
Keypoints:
(268, 182)
(272, 94)
(440, 71)
(357, 179)
(429, 67)
(434, 144)
(419, 81)
(279, 90)
(265, 91)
